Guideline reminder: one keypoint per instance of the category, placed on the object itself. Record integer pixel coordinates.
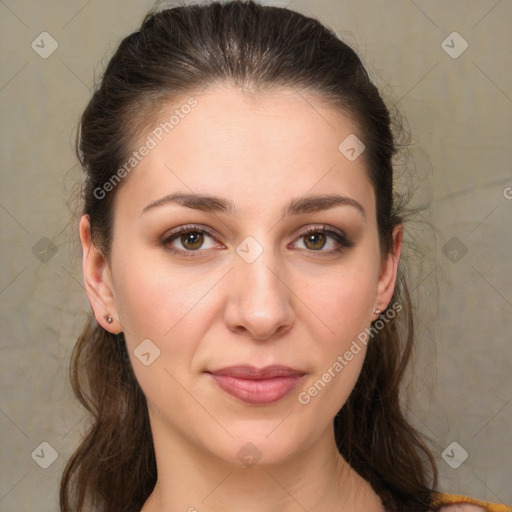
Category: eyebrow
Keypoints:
(217, 204)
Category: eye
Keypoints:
(316, 239)
(187, 240)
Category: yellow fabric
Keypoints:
(442, 499)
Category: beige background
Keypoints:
(459, 113)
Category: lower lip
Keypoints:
(259, 392)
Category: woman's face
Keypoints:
(246, 283)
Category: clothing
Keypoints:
(456, 503)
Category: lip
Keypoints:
(258, 386)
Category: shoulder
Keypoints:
(443, 502)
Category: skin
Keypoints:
(291, 305)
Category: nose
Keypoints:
(259, 302)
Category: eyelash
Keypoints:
(339, 237)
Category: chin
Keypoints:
(258, 448)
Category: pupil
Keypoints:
(318, 242)
(193, 238)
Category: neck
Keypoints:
(318, 478)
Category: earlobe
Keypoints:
(97, 280)
(389, 271)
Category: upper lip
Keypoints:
(251, 372)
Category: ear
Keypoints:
(389, 272)
(97, 280)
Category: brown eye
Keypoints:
(315, 241)
(189, 240)
(324, 240)
(192, 240)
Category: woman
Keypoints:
(241, 247)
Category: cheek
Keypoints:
(152, 302)
(343, 300)
(166, 309)
(172, 309)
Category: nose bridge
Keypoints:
(259, 278)
(259, 300)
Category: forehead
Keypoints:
(254, 148)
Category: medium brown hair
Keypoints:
(242, 44)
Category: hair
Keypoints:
(252, 47)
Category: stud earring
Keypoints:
(376, 311)
(109, 319)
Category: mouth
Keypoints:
(257, 386)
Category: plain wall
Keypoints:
(458, 112)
